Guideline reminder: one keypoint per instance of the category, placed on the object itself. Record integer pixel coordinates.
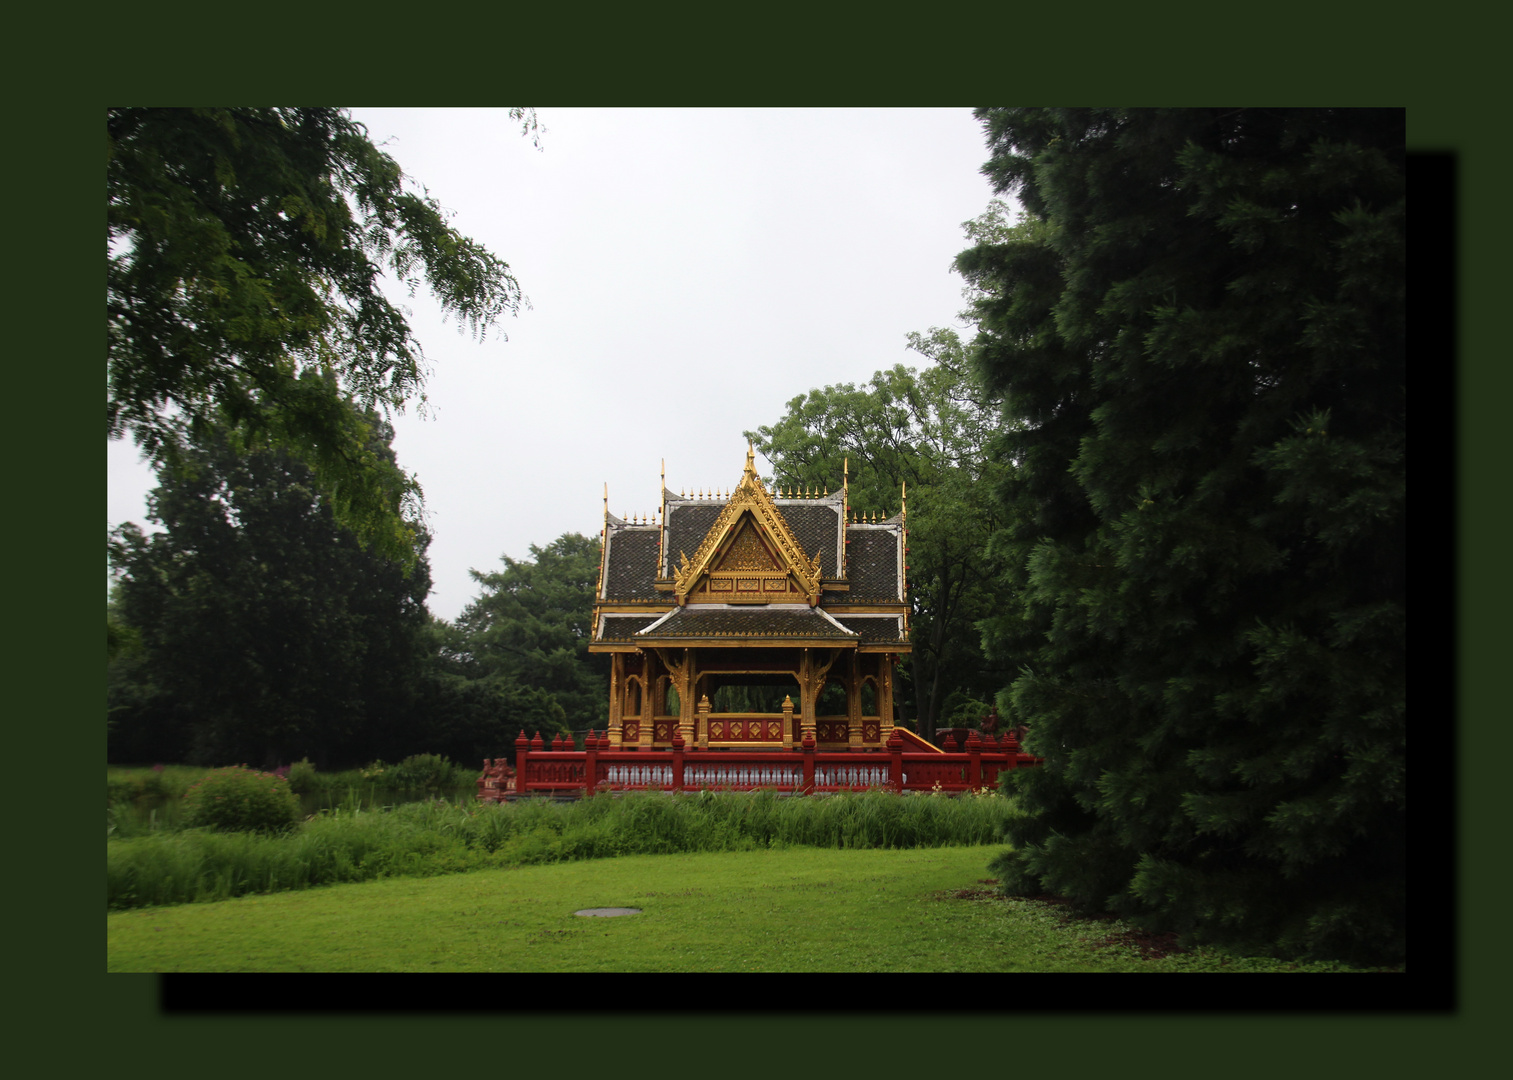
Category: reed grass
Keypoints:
(438, 837)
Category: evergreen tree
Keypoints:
(266, 632)
(1200, 349)
(530, 629)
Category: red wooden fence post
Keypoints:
(974, 767)
(677, 760)
(590, 762)
(522, 756)
(896, 762)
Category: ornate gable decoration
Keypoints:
(749, 553)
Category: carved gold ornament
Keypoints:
(750, 497)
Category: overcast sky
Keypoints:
(689, 272)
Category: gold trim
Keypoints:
(750, 497)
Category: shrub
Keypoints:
(241, 799)
(302, 777)
(421, 772)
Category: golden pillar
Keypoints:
(650, 680)
(853, 684)
(616, 696)
(885, 693)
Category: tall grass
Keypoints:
(436, 837)
(141, 801)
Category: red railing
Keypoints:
(559, 770)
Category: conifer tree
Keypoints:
(1200, 348)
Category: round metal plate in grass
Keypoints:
(607, 912)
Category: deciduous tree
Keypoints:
(247, 246)
(927, 429)
(265, 629)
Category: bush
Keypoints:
(242, 800)
(421, 772)
(302, 777)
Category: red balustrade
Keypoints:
(539, 771)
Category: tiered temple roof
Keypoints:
(750, 588)
(749, 566)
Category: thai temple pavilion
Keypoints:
(752, 588)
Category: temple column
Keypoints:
(686, 715)
(853, 683)
(702, 727)
(616, 696)
(648, 699)
(806, 696)
(885, 693)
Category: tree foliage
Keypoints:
(246, 247)
(528, 631)
(266, 632)
(927, 428)
(1200, 351)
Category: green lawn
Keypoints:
(797, 909)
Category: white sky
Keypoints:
(689, 272)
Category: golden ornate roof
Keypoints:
(749, 498)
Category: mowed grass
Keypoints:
(797, 909)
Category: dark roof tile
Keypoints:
(872, 628)
(873, 563)
(816, 526)
(687, 524)
(631, 564)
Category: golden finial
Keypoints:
(606, 500)
(903, 501)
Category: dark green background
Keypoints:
(1292, 53)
